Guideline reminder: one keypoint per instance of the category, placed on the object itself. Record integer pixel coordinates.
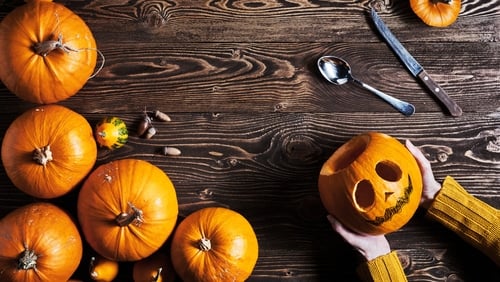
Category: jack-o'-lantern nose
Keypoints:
(388, 171)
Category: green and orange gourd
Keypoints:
(111, 132)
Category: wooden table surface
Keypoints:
(255, 121)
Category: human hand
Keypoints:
(369, 246)
(430, 186)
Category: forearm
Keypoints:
(473, 220)
(383, 268)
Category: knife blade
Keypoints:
(414, 67)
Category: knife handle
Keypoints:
(439, 92)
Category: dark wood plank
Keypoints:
(274, 21)
(265, 150)
(280, 77)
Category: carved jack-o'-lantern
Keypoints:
(372, 184)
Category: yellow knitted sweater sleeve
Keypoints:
(474, 221)
(383, 268)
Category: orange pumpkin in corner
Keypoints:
(48, 150)
(214, 244)
(436, 13)
(47, 52)
(372, 184)
(38, 242)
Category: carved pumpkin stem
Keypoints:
(45, 47)
(42, 155)
(204, 244)
(27, 260)
(135, 216)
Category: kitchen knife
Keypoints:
(415, 68)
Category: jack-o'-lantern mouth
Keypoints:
(389, 212)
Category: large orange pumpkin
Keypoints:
(47, 52)
(127, 209)
(214, 244)
(436, 13)
(48, 150)
(38, 242)
(372, 184)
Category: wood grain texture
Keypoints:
(276, 77)
(254, 120)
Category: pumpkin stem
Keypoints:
(93, 274)
(204, 244)
(27, 260)
(158, 274)
(135, 217)
(42, 155)
(45, 47)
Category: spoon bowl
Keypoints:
(338, 71)
(334, 69)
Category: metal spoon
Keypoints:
(338, 71)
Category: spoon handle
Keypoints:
(404, 107)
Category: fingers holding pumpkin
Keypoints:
(430, 186)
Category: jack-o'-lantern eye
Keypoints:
(388, 171)
(364, 195)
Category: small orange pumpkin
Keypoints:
(47, 52)
(214, 244)
(155, 268)
(372, 184)
(436, 13)
(127, 209)
(48, 150)
(102, 269)
(38, 242)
